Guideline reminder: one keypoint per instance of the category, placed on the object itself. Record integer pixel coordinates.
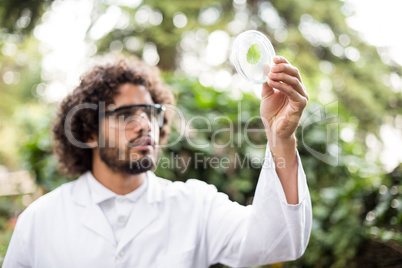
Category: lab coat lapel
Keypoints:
(141, 217)
(145, 211)
(93, 216)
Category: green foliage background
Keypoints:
(343, 195)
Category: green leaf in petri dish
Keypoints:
(254, 54)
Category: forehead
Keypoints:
(129, 94)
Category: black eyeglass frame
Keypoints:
(160, 108)
(157, 106)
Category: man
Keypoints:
(119, 214)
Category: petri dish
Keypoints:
(252, 55)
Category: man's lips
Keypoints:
(143, 142)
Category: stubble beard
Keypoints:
(125, 164)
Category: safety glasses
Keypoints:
(130, 116)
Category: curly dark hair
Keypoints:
(100, 84)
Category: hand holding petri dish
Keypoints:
(252, 56)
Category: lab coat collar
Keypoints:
(94, 218)
(82, 195)
(143, 214)
(80, 191)
(100, 193)
(154, 193)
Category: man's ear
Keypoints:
(92, 142)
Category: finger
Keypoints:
(286, 68)
(266, 91)
(290, 80)
(282, 65)
(280, 59)
(289, 68)
(288, 90)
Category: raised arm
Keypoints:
(283, 100)
(276, 227)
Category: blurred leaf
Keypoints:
(254, 54)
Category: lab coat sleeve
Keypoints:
(268, 231)
(17, 255)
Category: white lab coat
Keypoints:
(175, 225)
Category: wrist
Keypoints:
(276, 141)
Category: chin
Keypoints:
(140, 165)
(141, 154)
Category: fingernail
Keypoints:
(275, 68)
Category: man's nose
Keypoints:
(143, 123)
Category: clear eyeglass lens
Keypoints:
(131, 118)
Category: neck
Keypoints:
(118, 183)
